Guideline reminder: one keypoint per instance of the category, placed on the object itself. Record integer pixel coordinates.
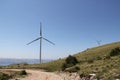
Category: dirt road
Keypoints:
(40, 75)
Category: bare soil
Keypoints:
(39, 75)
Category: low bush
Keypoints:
(23, 72)
(69, 62)
(115, 52)
(4, 76)
(90, 61)
(99, 58)
(107, 57)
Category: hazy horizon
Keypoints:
(9, 61)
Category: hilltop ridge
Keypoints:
(94, 60)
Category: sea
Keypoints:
(6, 62)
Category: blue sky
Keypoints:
(73, 25)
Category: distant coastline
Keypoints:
(5, 61)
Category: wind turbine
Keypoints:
(40, 38)
(98, 42)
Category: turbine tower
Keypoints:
(40, 38)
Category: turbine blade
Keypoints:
(33, 40)
(48, 41)
(40, 29)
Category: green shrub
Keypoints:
(90, 61)
(69, 62)
(64, 66)
(23, 72)
(99, 58)
(107, 57)
(4, 76)
(115, 52)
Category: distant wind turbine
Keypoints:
(40, 38)
(98, 42)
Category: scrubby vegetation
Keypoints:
(104, 61)
(8, 74)
(69, 62)
(72, 69)
(23, 72)
(4, 76)
(115, 52)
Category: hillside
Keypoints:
(103, 60)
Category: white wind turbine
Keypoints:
(40, 38)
